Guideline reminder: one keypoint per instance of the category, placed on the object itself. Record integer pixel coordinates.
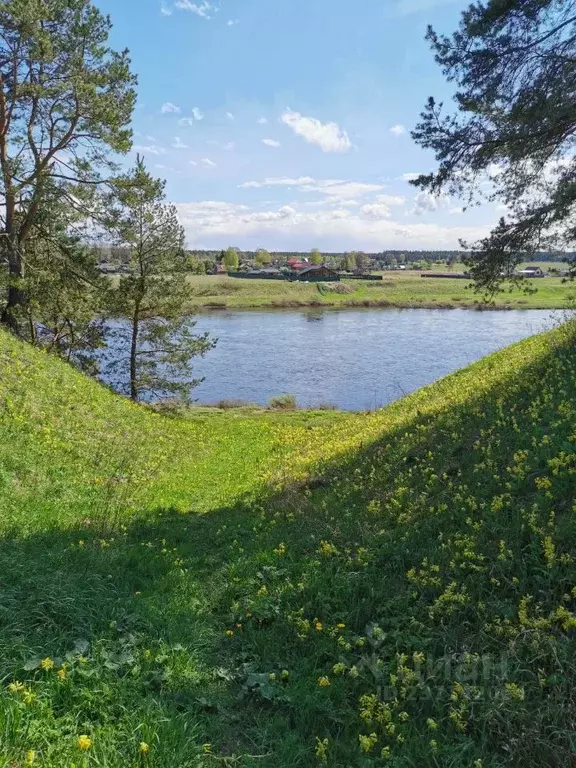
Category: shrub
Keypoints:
(283, 403)
(233, 402)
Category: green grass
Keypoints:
(291, 589)
(397, 289)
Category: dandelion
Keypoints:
(318, 626)
(62, 673)
(323, 682)
(16, 687)
(84, 742)
(144, 748)
(229, 633)
(339, 668)
(30, 756)
(28, 697)
(47, 664)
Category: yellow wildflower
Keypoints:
(144, 748)
(30, 756)
(28, 697)
(229, 633)
(16, 687)
(367, 742)
(62, 673)
(318, 626)
(322, 749)
(47, 663)
(84, 742)
(323, 681)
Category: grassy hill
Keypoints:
(389, 589)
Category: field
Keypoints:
(234, 589)
(397, 289)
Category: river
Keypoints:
(354, 359)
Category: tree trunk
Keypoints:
(16, 295)
(133, 350)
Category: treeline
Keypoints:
(381, 257)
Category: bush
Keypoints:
(282, 403)
(325, 407)
(232, 402)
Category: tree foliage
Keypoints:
(316, 257)
(66, 101)
(151, 352)
(513, 63)
(262, 257)
(231, 259)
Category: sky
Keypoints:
(286, 125)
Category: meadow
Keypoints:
(397, 289)
(253, 589)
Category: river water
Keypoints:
(354, 359)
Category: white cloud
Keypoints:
(262, 120)
(197, 115)
(207, 162)
(397, 130)
(150, 149)
(391, 199)
(193, 162)
(456, 211)
(328, 136)
(214, 224)
(409, 176)
(178, 143)
(271, 143)
(204, 9)
(232, 22)
(332, 188)
(425, 202)
(169, 108)
(342, 189)
(230, 116)
(277, 182)
(229, 146)
(165, 10)
(376, 211)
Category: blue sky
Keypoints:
(285, 124)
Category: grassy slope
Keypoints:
(401, 594)
(396, 290)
